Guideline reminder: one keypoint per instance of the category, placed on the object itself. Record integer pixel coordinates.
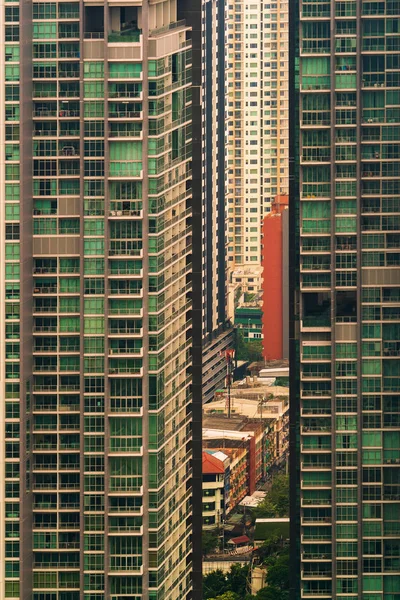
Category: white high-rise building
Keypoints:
(256, 129)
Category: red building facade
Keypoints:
(275, 279)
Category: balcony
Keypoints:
(315, 411)
(314, 83)
(128, 248)
(316, 556)
(391, 349)
(128, 35)
(316, 501)
(134, 214)
(316, 322)
(45, 467)
(316, 466)
(315, 373)
(124, 113)
(320, 10)
(317, 574)
(323, 536)
(317, 155)
(316, 428)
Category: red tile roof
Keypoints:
(211, 464)
(242, 539)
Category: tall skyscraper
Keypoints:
(257, 129)
(217, 332)
(101, 358)
(346, 399)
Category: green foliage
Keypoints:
(214, 584)
(241, 348)
(209, 541)
(234, 584)
(255, 351)
(238, 577)
(269, 593)
(228, 586)
(278, 574)
(248, 351)
(238, 293)
(249, 297)
(271, 549)
(276, 502)
(282, 381)
(275, 555)
(227, 596)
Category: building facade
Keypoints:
(214, 363)
(346, 395)
(246, 442)
(218, 335)
(256, 128)
(216, 482)
(275, 250)
(213, 184)
(271, 431)
(96, 310)
(248, 319)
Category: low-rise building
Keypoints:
(240, 450)
(248, 319)
(216, 484)
(243, 440)
(238, 475)
(259, 410)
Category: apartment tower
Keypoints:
(257, 129)
(100, 362)
(217, 331)
(346, 400)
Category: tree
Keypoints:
(270, 549)
(237, 578)
(228, 596)
(255, 351)
(276, 502)
(209, 541)
(279, 495)
(265, 510)
(238, 293)
(241, 347)
(248, 351)
(278, 574)
(226, 586)
(269, 593)
(214, 584)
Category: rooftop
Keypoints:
(255, 367)
(211, 464)
(242, 539)
(265, 528)
(253, 500)
(250, 408)
(222, 422)
(274, 392)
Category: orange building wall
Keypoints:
(272, 280)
